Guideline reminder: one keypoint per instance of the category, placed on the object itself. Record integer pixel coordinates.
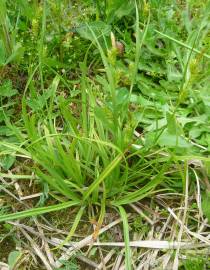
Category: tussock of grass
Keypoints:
(116, 140)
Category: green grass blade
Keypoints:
(55, 181)
(103, 175)
(123, 215)
(37, 211)
(16, 148)
(142, 192)
(183, 44)
(15, 176)
(73, 228)
(41, 44)
(139, 43)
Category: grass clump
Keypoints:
(112, 117)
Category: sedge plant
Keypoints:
(86, 155)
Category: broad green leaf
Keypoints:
(206, 204)
(53, 62)
(6, 89)
(195, 132)
(118, 8)
(204, 94)
(7, 161)
(122, 95)
(172, 140)
(28, 9)
(99, 28)
(17, 53)
(172, 124)
(39, 102)
(13, 258)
